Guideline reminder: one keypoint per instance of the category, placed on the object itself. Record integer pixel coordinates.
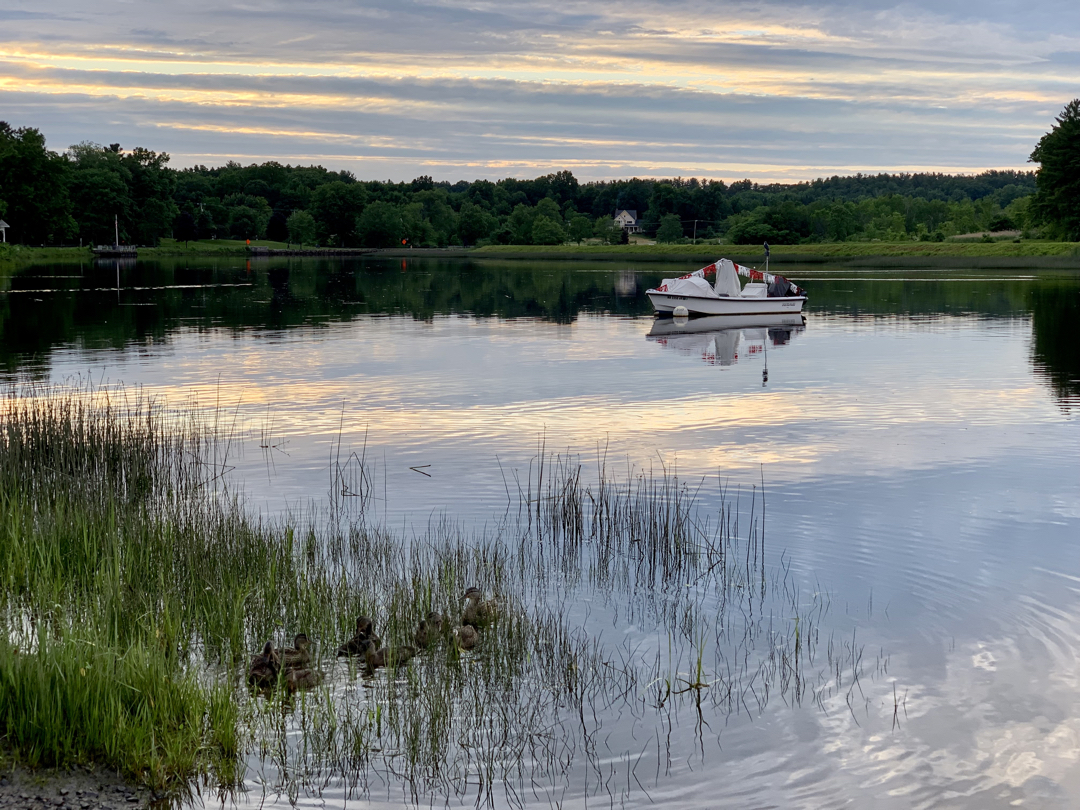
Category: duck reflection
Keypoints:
(718, 339)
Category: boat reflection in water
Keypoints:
(718, 339)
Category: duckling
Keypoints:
(298, 679)
(358, 643)
(478, 614)
(264, 668)
(424, 635)
(386, 657)
(430, 628)
(439, 623)
(466, 637)
(296, 657)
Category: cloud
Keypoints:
(692, 87)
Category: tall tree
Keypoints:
(547, 231)
(101, 193)
(301, 227)
(580, 228)
(185, 228)
(670, 229)
(380, 225)
(277, 229)
(152, 187)
(336, 206)
(1057, 200)
(33, 186)
(473, 223)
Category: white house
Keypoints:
(627, 220)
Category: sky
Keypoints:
(467, 89)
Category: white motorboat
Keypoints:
(764, 294)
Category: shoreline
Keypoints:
(973, 255)
(970, 255)
(83, 787)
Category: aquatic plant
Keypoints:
(134, 586)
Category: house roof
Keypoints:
(629, 211)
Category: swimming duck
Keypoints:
(298, 679)
(264, 668)
(386, 657)
(466, 637)
(478, 614)
(296, 657)
(358, 643)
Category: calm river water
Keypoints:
(918, 439)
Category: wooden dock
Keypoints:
(115, 251)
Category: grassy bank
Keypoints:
(926, 253)
(23, 254)
(15, 255)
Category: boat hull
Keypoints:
(665, 303)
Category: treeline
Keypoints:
(91, 193)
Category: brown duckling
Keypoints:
(264, 668)
(466, 637)
(439, 622)
(358, 643)
(424, 635)
(478, 614)
(430, 628)
(297, 657)
(299, 679)
(386, 657)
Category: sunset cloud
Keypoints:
(482, 89)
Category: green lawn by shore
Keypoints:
(22, 254)
(932, 253)
(828, 250)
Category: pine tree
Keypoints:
(1057, 200)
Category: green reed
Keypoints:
(134, 586)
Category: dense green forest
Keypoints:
(73, 197)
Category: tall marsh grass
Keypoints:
(134, 586)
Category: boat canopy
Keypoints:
(693, 284)
(727, 280)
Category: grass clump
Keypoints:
(71, 699)
(94, 491)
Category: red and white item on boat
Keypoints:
(765, 293)
(778, 285)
